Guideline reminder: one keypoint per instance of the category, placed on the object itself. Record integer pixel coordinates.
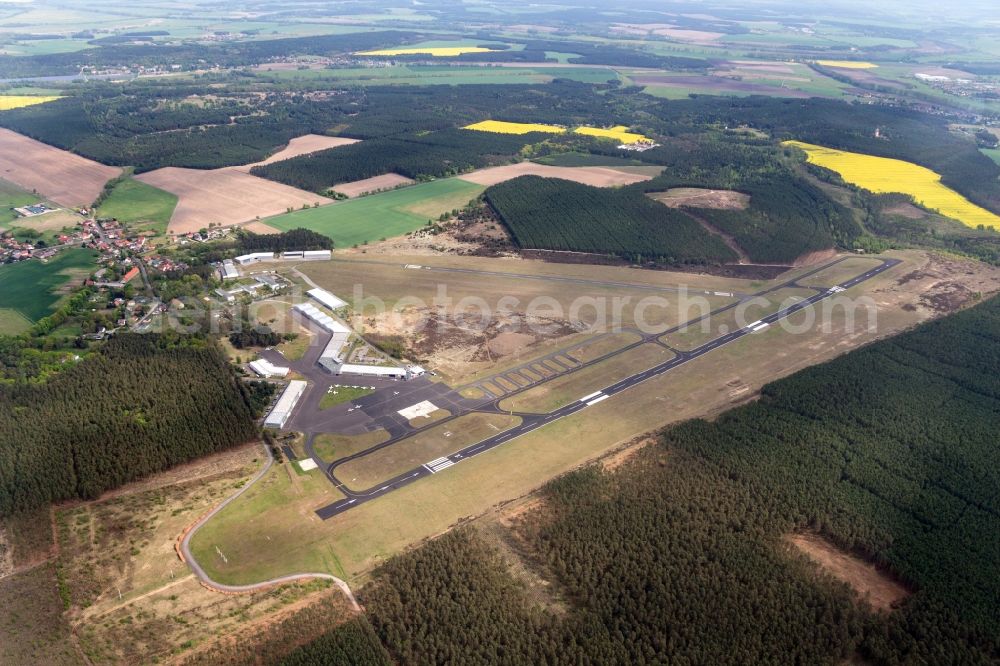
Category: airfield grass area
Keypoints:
(840, 272)
(277, 507)
(364, 537)
(383, 215)
(882, 174)
(395, 299)
(331, 446)
(444, 439)
(142, 206)
(572, 386)
(698, 333)
(342, 394)
(32, 288)
(593, 349)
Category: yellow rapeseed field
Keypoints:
(503, 127)
(882, 174)
(436, 51)
(847, 64)
(8, 102)
(618, 133)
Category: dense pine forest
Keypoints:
(417, 155)
(139, 405)
(679, 556)
(292, 240)
(556, 214)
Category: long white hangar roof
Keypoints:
(327, 299)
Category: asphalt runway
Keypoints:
(531, 422)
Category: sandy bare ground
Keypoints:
(386, 181)
(879, 590)
(59, 175)
(302, 145)
(698, 197)
(224, 196)
(596, 176)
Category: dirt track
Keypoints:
(224, 196)
(596, 176)
(59, 175)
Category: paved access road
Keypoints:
(531, 422)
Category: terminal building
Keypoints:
(282, 410)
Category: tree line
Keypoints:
(138, 405)
(556, 214)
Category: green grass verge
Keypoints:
(340, 394)
(32, 288)
(139, 205)
(382, 215)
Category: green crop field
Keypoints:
(382, 215)
(31, 288)
(11, 196)
(140, 205)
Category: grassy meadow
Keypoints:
(32, 288)
(383, 215)
(139, 205)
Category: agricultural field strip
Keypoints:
(883, 174)
(533, 421)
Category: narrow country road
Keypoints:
(189, 559)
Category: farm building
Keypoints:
(131, 275)
(327, 299)
(253, 258)
(282, 410)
